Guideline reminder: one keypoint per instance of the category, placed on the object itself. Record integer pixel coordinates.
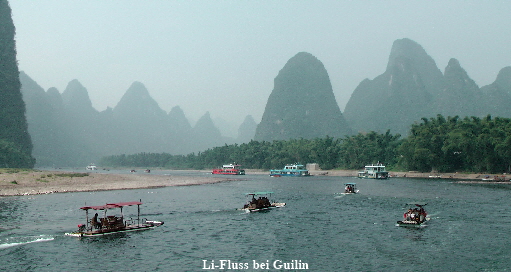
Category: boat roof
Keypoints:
(418, 204)
(350, 183)
(111, 205)
(259, 193)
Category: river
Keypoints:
(319, 229)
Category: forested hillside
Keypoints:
(15, 142)
(436, 144)
(328, 152)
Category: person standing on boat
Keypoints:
(95, 222)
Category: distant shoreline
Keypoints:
(394, 174)
(46, 182)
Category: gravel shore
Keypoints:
(31, 182)
(46, 182)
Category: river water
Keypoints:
(319, 229)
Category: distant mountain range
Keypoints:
(67, 131)
(413, 87)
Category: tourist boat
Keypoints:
(415, 216)
(295, 170)
(229, 169)
(374, 171)
(350, 188)
(110, 224)
(261, 203)
(91, 167)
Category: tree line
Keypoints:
(328, 152)
(441, 144)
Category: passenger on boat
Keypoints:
(95, 223)
(81, 227)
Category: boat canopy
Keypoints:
(111, 205)
(418, 204)
(259, 193)
(351, 183)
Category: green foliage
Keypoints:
(11, 156)
(71, 175)
(454, 144)
(17, 170)
(15, 145)
(436, 144)
(328, 152)
(362, 149)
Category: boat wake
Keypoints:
(17, 241)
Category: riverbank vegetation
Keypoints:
(435, 144)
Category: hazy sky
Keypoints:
(222, 56)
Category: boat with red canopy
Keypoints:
(109, 224)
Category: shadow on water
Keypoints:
(415, 234)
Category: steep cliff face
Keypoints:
(51, 142)
(498, 94)
(60, 137)
(180, 132)
(205, 134)
(15, 143)
(76, 99)
(302, 103)
(460, 95)
(247, 129)
(398, 97)
(137, 106)
(139, 124)
(423, 64)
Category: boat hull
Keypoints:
(350, 193)
(411, 224)
(289, 174)
(372, 177)
(224, 172)
(273, 206)
(103, 232)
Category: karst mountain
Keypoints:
(302, 103)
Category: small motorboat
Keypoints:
(415, 216)
(261, 203)
(350, 188)
(110, 224)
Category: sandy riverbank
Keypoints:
(45, 182)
